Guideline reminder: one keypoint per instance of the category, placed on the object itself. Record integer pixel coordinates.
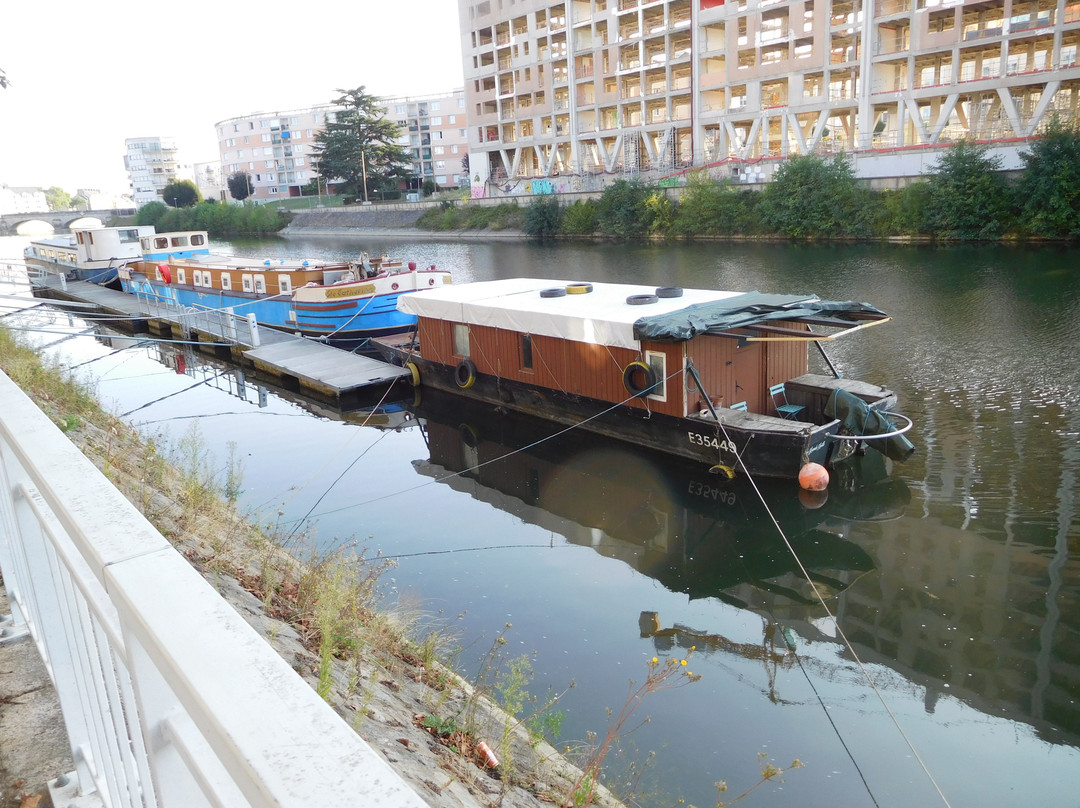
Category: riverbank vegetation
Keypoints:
(965, 197)
(217, 218)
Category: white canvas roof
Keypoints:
(599, 317)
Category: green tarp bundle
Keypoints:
(859, 419)
(741, 311)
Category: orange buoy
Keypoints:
(814, 477)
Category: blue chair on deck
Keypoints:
(741, 406)
(786, 410)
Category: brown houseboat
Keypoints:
(719, 377)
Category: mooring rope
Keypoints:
(847, 643)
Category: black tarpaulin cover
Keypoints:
(742, 311)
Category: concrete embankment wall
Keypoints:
(389, 220)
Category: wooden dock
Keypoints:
(292, 361)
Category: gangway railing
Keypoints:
(225, 323)
(169, 698)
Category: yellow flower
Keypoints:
(684, 663)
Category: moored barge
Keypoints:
(718, 377)
(344, 303)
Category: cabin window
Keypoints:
(248, 284)
(260, 284)
(284, 286)
(161, 243)
(196, 277)
(526, 352)
(129, 236)
(198, 240)
(461, 339)
(226, 281)
(179, 241)
(181, 275)
(658, 362)
(79, 236)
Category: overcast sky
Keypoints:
(84, 80)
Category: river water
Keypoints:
(955, 576)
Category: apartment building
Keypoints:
(277, 149)
(436, 134)
(22, 200)
(151, 164)
(575, 90)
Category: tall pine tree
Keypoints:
(358, 150)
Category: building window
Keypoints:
(461, 339)
(658, 362)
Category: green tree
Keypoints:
(1050, 186)
(814, 198)
(624, 211)
(542, 217)
(181, 194)
(58, 199)
(150, 213)
(710, 207)
(239, 183)
(901, 211)
(967, 198)
(359, 149)
(580, 219)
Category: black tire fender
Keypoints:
(465, 374)
(635, 371)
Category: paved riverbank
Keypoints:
(33, 741)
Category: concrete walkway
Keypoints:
(33, 742)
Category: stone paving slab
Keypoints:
(33, 741)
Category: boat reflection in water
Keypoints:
(692, 531)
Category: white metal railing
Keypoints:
(169, 698)
(225, 323)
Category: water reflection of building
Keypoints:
(978, 596)
(960, 614)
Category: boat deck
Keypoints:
(295, 362)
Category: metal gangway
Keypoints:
(169, 698)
